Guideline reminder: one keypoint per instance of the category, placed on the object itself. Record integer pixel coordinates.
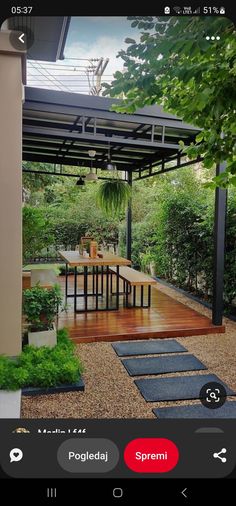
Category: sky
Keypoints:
(97, 37)
(88, 37)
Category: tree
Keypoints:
(175, 66)
(36, 234)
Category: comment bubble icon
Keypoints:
(16, 455)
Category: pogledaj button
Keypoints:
(151, 455)
(89, 455)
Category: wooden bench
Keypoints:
(132, 279)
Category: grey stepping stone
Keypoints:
(176, 388)
(148, 347)
(228, 410)
(162, 365)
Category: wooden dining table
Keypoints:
(75, 259)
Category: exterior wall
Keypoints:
(10, 196)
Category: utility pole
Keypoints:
(99, 71)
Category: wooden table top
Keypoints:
(74, 259)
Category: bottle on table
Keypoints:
(93, 249)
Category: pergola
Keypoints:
(60, 128)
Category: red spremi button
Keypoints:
(151, 455)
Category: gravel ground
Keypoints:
(111, 393)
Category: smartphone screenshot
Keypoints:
(118, 252)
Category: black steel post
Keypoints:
(219, 250)
(129, 222)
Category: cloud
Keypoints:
(103, 47)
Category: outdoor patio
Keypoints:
(111, 392)
(112, 297)
(167, 317)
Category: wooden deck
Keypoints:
(165, 318)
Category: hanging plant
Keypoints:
(113, 195)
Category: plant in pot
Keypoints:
(40, 307)
(113, 195)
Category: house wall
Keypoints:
(11, 91)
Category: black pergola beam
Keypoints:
(58, 134)
(219, 250)
(168, 169)
(74, 150)
(63, 174)
(32, 157)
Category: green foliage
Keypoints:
(175, 232)
(113, 196)
(42, 367)
(68, 232)
(36, 234)
(173, 65)
(37, 182)
(40, 306)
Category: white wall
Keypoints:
(10, 196)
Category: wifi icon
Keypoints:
(178, 10)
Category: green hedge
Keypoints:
(178, 237)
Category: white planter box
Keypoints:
(43, 338)
(45, 277)
(10, 403)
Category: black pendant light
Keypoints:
(80, 182)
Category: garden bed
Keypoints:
(70, 387)
(43, 369)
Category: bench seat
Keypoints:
(133, 278)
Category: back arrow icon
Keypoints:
(21, 38)
(183, 493)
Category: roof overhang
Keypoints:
(50, 35)
(60, 127)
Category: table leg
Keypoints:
(96, 288)
(149, 295)
(107, 287)
(142, 296)
(127, 294)
(85, 288)
(102, 279)
(117, 286)
(93, 280)
(134, 295)
(111, 280)
(66, 280)
(75, 289)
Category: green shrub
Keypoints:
(42, 367)
(40, 306)
(36, 233)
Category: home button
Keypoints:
(117, 492)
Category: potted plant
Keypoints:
(40, 307)
(113, 195)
